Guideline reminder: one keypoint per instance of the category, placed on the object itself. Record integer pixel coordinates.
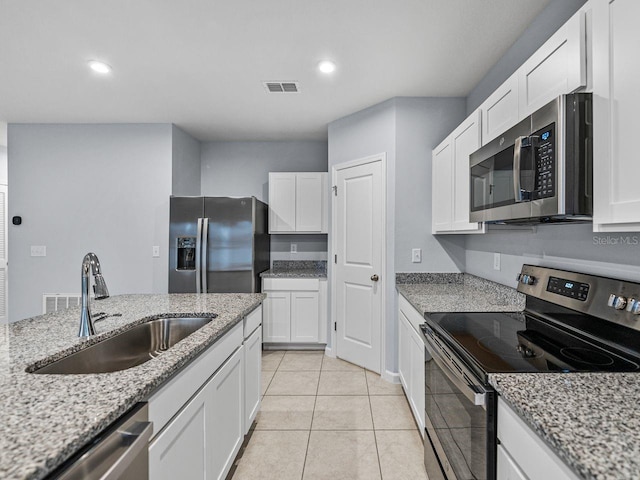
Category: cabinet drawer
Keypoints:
(527, 449)
(252, 321)
(412, 315)
(291, 284)
(173, 395)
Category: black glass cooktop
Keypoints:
(520, 342)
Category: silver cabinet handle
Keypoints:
(375, 278)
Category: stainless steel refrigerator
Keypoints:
(217, 244)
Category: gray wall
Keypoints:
(185, 152)
(544, 25)
(3, 165)
(421, 124)
(406, 130)
(242, 169)
(82, 188)
(572, 247)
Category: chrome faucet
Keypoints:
(90, 261)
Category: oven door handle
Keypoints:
(476, 394)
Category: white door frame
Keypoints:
(379, 157)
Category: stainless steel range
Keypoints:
(573, 322)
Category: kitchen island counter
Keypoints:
(45, 419)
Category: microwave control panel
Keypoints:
(545, 155)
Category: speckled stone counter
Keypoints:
(47, 418)
(461, 293)
(590, 420)
(296, 269)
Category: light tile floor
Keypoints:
(323, 418)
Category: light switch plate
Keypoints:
(294, 248)
(416, 255)
(496, 261)
(156, 251)
(38, 250)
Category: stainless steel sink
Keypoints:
(128, 349)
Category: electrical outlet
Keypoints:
(38, 250)
(496, 261)
(155, 251)
(416, 255)
(294, 248)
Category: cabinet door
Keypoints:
(276, 321)
(500, 110)
(252, 368)
(309, 202)
(616, 102)
(558, 67)
(507, 468)
(442, 187)
(403, 350)
(224, 419)
(304, 316)
(465, 140)
(180, 450)
(282, 202)
(416, 400)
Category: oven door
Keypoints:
(460, 416)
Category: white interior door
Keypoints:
(359, 243)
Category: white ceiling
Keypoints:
(200, 63)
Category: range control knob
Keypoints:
(617, 302)
(527, 279)
(633, 306)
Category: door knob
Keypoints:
(375, 277)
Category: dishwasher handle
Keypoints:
(136, 438)
(120, 453)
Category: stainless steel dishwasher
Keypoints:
(120, 452)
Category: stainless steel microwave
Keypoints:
(541, 170)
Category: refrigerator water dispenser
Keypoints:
(186, 252)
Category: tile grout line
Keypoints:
(375, 438)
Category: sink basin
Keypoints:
(130, 348)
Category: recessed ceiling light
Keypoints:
(99, 67)
(327, 66)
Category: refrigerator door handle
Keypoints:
(199, 257)
(205, 247)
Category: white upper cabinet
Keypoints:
(297, 202)
(450, 202)
(616, 103)
(558, 67)
(500, 110)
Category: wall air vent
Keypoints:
(281, 87)
(52, 302)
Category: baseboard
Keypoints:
(293, 346)
(391, 377)
(328, 351)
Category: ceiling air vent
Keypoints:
(281, 87)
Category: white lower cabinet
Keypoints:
(204, 438)
(252, 368)
(411, 359)
(294, 310)
(200, 417)
(522, 454)
(180, 450)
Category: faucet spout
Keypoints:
(91, 263)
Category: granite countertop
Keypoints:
(441, 292)
(47, 418)
(296, 269)
(590, 420)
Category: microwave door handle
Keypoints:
(517, 151)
